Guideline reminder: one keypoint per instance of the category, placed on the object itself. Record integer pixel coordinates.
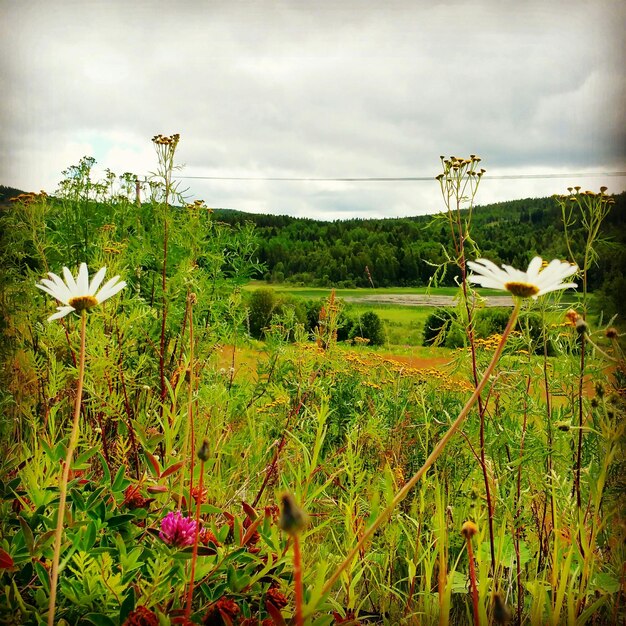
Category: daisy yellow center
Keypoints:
(522, 290)
(80, 303)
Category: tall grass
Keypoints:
(388, 461)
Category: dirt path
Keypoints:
(425, 300)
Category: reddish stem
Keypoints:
(297, 574)
(194, 556)
(472, 573)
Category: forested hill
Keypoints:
(402, 251)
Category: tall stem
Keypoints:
(472, 572)
(297, 574)
(194, 556)
(579, 453)
(58, 536)
(434, 455)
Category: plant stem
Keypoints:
(297, 575)
(58, 536)
(434, 455)
(579, 452)
(472, 576)
(194, 556)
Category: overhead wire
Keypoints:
(385, 179)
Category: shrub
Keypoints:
(370, 327)
(261, 307)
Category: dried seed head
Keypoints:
(501, 612)
(292, 518)
(469, 529)
(581, 326)
(611, 333)
(203, 451)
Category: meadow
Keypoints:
(162, 466)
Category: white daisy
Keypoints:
(535, 281)
(79, 294)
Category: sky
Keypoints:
(324, 89)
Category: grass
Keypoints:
(362, 439)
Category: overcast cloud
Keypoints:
(317, 89)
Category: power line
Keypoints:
(383, 179)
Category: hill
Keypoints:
(403, 251)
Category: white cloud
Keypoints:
(277, 88)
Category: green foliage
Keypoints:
(403, 251)
(369, 326)
(170, 363)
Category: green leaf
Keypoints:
(77, 499)
(119, 520)
(44, 578)
(99, 619)
(29, 539)
(83, 458)
(106, 474)
(89, 539)
(128, 605)
(120, 483)
(231, 578)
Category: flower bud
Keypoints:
(203, 451)
(292, 518)
(581, 326)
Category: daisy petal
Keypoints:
(110, 288)
(96, 281)
(82, 281)
(69, 280)
(62, 311)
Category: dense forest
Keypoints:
(407, 251)
(404, 251)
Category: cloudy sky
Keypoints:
(324, 89)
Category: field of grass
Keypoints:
(158, 465)
(315, 293)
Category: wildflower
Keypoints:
(141, 616)
(177, 530)
(572, 317)
(277, 598)
(224, 611)
(204, 452)
(532, 283)
(469, 529)
(79, 294)
(133, 498)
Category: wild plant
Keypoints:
(76, 295)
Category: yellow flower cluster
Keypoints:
(371, 385)
(27, 198)
(456, 164)
(280, 401)
(166, 141)
(198, 204)
(574, 192)
(364, 365)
